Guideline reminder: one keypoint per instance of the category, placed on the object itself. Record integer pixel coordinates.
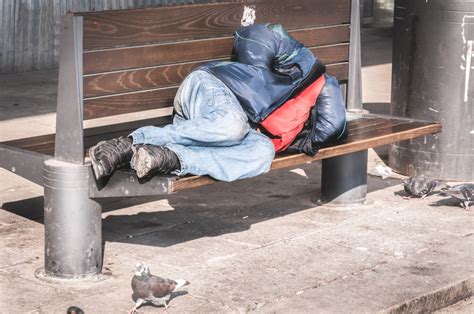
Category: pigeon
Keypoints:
(419, 186)
(150, 288)
(74, 310)
(462, 192)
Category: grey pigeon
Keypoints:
(462, 192)
(150, 288)
(74, 310)
(419, 186)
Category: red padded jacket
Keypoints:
(288, 120)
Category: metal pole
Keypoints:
(354, 89)
(69, 143)
(72, 222)
(344, 179)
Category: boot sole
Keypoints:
(143, 163)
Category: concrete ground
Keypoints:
(261, 244)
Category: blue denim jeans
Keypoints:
(210, 133)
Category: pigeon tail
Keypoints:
(180, 283)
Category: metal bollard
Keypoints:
(72, 222)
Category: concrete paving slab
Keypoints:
(392, 283)
(19, 295)
(21, 242)
(451, 220)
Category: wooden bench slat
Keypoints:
(135, 80)
(160, 77)
(45, 143)
(31, 143)
(379, 125)
(145, 56)
(396, 134)
(167, 24)
(126, 103)
(382, 131)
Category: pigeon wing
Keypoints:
(419, 187)
(140, 287)
(161, 287)
(428, 187)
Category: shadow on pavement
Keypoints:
(207, 211)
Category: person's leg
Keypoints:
(253, 156)
(206, 114)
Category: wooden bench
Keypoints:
(121, 63)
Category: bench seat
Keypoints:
(365, 131)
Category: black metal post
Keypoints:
(344, 179)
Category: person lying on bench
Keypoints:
(214, 108)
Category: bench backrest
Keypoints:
(134, 60)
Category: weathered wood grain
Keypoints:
(383, 131)
(160, 77)
(150, 99)
(45, 143)
(126, 103)
(156, 76)
(162, 97)
(136, 80)
(154, 55)
(138, 27)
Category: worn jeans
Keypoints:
(210, 133)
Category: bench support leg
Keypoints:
(72, 221)
(344, 179)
